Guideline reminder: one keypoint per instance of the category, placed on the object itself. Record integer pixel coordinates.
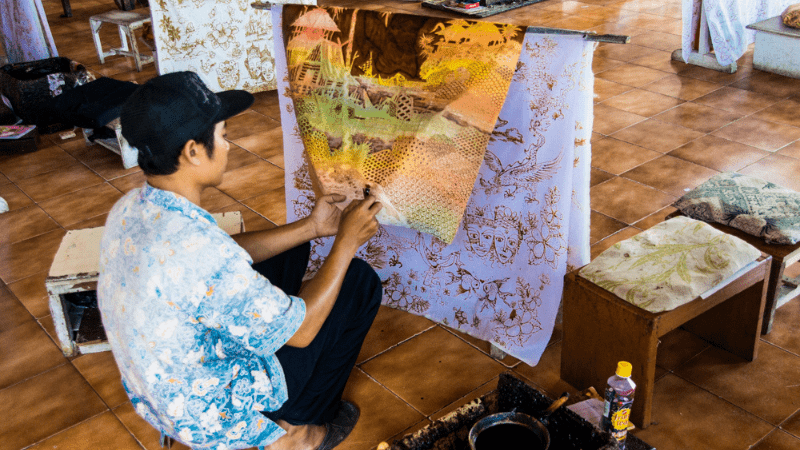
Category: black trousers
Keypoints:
(316, 375)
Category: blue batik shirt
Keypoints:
(192, 326)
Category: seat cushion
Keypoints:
(670, 264)
(749, 204)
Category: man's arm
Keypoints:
(358, 225)
(264, 244)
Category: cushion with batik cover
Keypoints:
(746, 203)
(669, 264)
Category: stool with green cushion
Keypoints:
(764, 214)
(681, 272)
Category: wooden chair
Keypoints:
(600, 329)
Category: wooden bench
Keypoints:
(600, 329)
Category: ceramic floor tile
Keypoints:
(598, 176)
(93, 222)
(482, 390)
(698, 117)
(737, 100)
(247, 123)
(687, 417)
(4, 179)
(431, 369)
(271, 204)
(608, 120)
(719, 154)
(784, 331)
(102, 431)
(106, 163)
(774, 397)
(14, 197)
(684, 88)
(654, 219)
(213, 199)
(575, 22)
(660, 60)
(31, 256)
(267, 104)
(625, 53)
(267, 144)
(32, 293)
(791, 150)
(619, 29)
(656, 135)
(53, 401)
(382, 414)
(82, 205)
(484, 346)
(391, 327)
(626, 200)
(614, 156)
(715, 76)
(784, 111)
(779, 169)
(239, 157)
(760, 134)
(252, 180)
(69, 179)
(769, 83)
(602, 227)
(600, 64)
(792, 424)
(604, 89)
(100, 370)
(606, 243)
(147, 436)
(643, 103)
(28, 351)
(632, 75)
(547, 373)
(26, 165)
(657, 40)
(778, 440)
(671, 175)
(24, 223)
(128, 182)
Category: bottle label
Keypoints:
(616, 413)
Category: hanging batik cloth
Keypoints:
(526, 222)
(402, 104)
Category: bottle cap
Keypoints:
(624, 369)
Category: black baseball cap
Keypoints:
(169, 110)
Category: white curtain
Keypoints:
(25, 31)
(527, 222)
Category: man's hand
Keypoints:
(325, 216)
(358, 223)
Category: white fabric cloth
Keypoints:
(501, 279)
(228, 43)
(24, 31)
(727, 22)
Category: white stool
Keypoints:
(128, 22)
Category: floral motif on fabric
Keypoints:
(192, 326)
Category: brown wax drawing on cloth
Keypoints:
(402, 104)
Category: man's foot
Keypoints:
(340, 427)
(299, 437)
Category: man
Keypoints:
(215, 351)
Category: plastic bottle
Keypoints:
(619, 398)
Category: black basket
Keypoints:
(28, 85)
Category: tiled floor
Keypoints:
(661, 128)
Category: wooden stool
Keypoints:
(600, 328)
(75, 269)
(780, 288)
(128, 22)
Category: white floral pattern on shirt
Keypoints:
(192, 326)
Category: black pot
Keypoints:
(513, 430)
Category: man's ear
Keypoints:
(190, 152)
